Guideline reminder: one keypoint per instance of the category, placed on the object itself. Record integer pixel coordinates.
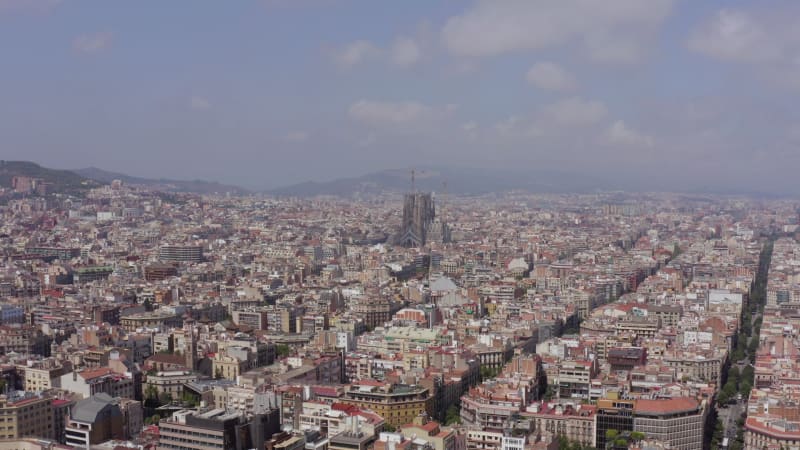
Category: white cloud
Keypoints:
(200, 103)
(92, 43)
(575, 111)
(737, 36)
(405, 52)
(397, 113)
(621, 134)
(566, 119)
(550, 76)
(355, 53)
(515, 126)
(601, 27)
(764, 38)
(296, 136)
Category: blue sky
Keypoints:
(269, 92)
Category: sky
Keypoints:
(679, 94)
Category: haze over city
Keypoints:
(399, 225)
(664, 94)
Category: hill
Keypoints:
(463, 181)
(61, 181)
(193, 186)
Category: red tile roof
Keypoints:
(665, 406)
(95, 373)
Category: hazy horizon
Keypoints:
(268, 93)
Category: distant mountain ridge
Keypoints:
(461, 181)
(61, 181)
(193, 186)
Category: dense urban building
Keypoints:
(515, 323)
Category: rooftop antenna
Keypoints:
(413, 188)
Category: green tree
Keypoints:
(152, 420)
(165, 398)
(189, 399)
(611, 434)
(150, 391)
(733, 374)
(637, 436)
(748, 373)
(744, 389)
(752, 348)
(719, 432)
(283, 350)
(452, 416)
(727, 392)
(488, 373)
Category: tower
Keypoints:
(418, 214)
(191, 347)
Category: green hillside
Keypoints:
(63, 181)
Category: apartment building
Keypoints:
(102, 380)
(679, 421)
(191, 430)
(170, 382)
(181, 253)
(96, 419)
(574, 421)
(43, 375)
(398, 404)
(24, 414)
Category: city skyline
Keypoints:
(270, 93)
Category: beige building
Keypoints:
(397, 404)
(26, 415)
(431, 431)
(228, 367)
(170, 382)
(574, 421)
(704, 367)
(234, 398)
(43, 375)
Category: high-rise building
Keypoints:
(181, 253)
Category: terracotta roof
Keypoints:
(325, 391)
(168, 358)
(95, 373)
(665, 406)
(428, 427)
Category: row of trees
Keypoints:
(738, 383)
(747, 343)
(487, 373)
(616, 439)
